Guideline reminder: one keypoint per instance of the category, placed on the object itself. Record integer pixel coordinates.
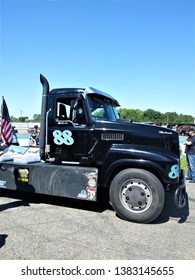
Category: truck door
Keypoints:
(70, 138)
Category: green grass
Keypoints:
(184, 164)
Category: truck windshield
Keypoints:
(102, 109)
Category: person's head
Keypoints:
(35, 126)
(191, 131)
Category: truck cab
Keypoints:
(72, 131)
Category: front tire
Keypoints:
(137, 195)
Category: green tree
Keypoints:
(13, 119)
(186, 118)
(131, 114)
(151, 115)
(23, 119)
(37, 117)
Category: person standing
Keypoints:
(190, 155)
(15, 137)
(37, 132)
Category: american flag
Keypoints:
(6, 127)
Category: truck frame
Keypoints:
(85, 147)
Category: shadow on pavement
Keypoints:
(2, 239)
(27, 198)
(171, 211)
(13, 204)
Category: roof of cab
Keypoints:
(84, 92)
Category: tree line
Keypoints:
(153, 116)
(136, 115)
(35, 118)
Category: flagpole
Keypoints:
(2, 109)
(1, 114)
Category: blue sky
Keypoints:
(141, 52)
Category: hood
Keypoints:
(144, 134)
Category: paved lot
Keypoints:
(42, 227)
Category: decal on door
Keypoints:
(63, 137)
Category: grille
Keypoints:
(112, 136)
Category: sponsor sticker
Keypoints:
(91, 188)
(23, 175)
(3, 184)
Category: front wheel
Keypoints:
(137, 195)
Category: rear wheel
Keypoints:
(137, 195)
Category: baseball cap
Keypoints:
(191, 129)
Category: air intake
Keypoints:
(112, 136)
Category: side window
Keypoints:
(68, 109)
(62, 109)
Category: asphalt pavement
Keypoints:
(48, 228)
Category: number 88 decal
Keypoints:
(63, 137)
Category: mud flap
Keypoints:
(180, 196)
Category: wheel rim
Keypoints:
(136, 195)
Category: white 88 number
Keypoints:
(63, 137)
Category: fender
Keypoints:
(122, 156)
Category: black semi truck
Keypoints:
(85, 148)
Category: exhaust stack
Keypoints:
(45, 93)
